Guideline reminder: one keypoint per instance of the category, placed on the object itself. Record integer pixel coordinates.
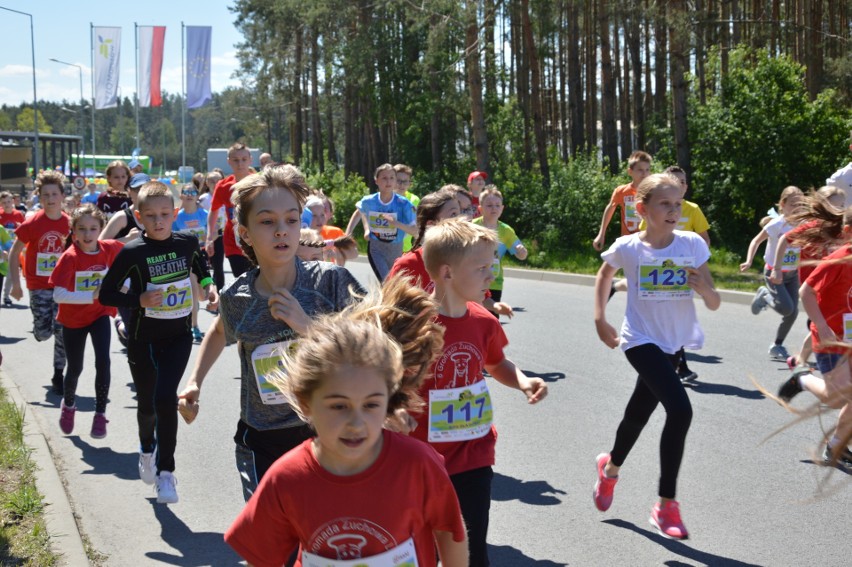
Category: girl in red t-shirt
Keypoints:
(346, 378)
(76, 282)
(827, 299)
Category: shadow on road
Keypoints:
(506, 556)
(10, 340)
(193, 549)
(700, 387)
(680, 548)
(703, 358)
(535, 492)
(546, 376)
(104, 460)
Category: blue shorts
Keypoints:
(826, 362)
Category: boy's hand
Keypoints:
(607, 334)
(188, 403)
(598, 243)
(535, 389)
(745, 266)
(501, 308)
(16, 292)
(209, 248)
(153, 298)
(212, 298)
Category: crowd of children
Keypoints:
(345, 392)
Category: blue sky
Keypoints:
(62, 31)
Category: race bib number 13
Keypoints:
(665, 278)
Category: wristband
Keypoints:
(206, 281)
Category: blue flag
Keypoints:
(198, 92)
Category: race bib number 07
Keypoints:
(177, 300)
(665, 278)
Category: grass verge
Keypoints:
(23, 536)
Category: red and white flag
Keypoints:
(150, 66)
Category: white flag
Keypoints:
(107, 46)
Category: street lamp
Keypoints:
(35, 97)
(81, 170)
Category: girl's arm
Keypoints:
(510, 375)
(353, 221)
(809, 302)
(775, 276)
(117, 222)
(452, 553)
(701, 281)
(211, 347)
(603, 283)
(62, 295)
(752, 249)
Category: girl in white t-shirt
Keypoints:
(663, 268)
(783, 297)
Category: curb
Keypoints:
(65, 538)
(739, 297)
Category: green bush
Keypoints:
(344, 190)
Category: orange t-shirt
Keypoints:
(624, 196)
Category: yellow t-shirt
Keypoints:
(691, 219)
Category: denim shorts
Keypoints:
(826, 362)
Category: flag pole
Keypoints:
(136, 41)
(183, 99)
(92, 50)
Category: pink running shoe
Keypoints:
(99, 424)
(666, 519)
(66, 418)
(605, 485)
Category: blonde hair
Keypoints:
(638, 156)
(789, 191)
(402, 168)
(654, 182)
(449, 242)
(152, 190)
(381, 168)
(393, 332)
(50, 177)
(490, 191)
(270, 177)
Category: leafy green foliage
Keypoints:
(345, 191)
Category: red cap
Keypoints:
(474, 174)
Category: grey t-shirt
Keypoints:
(320, 288)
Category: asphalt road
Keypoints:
(746, 499)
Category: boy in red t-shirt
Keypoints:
(239, 158)
(638, 168)
(475, 184)
(43, 235)
(10, 219)
(458, 256)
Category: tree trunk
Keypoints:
(679, 57)
(296, 127)
(814, 59)
(565, 138)
(535, 69)
(329, 102)
(609, 137)
(474, 82)
(622, 74)
(316, 138)
(590, 45)
(575, 79)
(633, 45)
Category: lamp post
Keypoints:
(35, 97)
(82, 101)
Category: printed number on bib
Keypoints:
(45, 263)
(847, 327)
(177, 300)
(664, 278)
(381, 226)
(630, 217)
(88, 280)
(460, 414)
(791, 259)
(265, 359)
(348, 547)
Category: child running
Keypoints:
(663, 267)
(827, 299)
(43, 235)
(10, 219)
(77, 283)
(386, 217)
(624, 196)
(264, 311)
(784, 297)
(458, 420)
(158, 266)
(346, 378)
(193, 219)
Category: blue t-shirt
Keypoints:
(380, 229)
(196, 223)
(90, 198)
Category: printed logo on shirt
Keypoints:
(345, 538)
(51, 243)
(166, 267)
(459, 365)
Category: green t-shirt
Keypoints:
(506, 242)
(408, 241)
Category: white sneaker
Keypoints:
(147, 468)
(166, 488)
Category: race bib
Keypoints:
(791, 259)
(664, 278)
(348, 548)
(847, 327)
(631, 219)
(495, 268)
(264, 360)
(177, 300)
(381, 226)
(460, 414)
(45, 262)
(88, 280)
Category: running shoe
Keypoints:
(778, 352)
(147, 468)
(7, 302)
(687, 375)
(66, 418)
(166, 488)
(197, 335)
(99, 424)
(666, 518)
(791, 388)
(605, 485)
(759, 303)
(121, 330)
(844, 459)
(57, 383)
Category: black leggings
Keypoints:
(157, 369)
(473, 489)
(239, 264)
(75, 348)
(218, 262)
(657, 383)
